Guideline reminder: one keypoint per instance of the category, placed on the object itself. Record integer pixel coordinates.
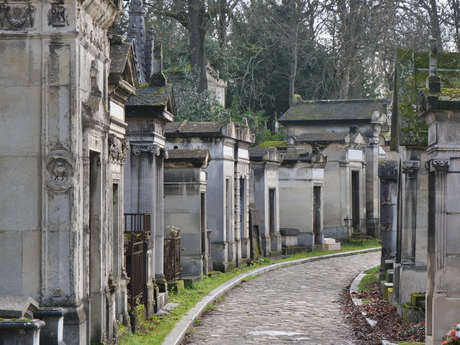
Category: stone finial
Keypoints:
(152, 32)
(433, 82)
(158, 78)
(132, 32)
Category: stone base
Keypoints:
(20, 332)
(330, 244)
(75, 325)
(445, 313)
(177, 286)
(224, 267)
(160, 301)
(190, 280)
(294, 250)
(413, 314)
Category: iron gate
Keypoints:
(137, 231)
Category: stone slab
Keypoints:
(17, 306)
(329, 241)
(332, 246)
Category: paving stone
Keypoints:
(293, 305)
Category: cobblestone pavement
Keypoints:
(293, 305)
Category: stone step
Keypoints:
(161, 301)
(329, 241)
(332, 246)
(190, 280)
(417, 299)
(389, 276)
(388, 265)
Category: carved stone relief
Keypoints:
(92, 103)
(410, 168)
(17, 17)
(57, 15)
(59, 173)
(117, 149)
(440, 164)
(152, 149)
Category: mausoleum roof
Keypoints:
(264, 154)
(204, 128)
(323, 137)
(151, 101)
(313, 158)
(197, 155)
(119, 54)
(361, 110)
(185, 129)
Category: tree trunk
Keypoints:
(294, 62)
(197, 30)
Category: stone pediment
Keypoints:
(122, 77)
(103, 12)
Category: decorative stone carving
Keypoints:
(158, 128)
(17, 17)
(57, 15)
(410, 168)
(153, 149)
(94, 100)
(164, 153)
(59, 172)
(422, 102)
(440, 164)
(117, 149)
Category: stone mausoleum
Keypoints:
(348, 133)
(61, 165)
(227, 201)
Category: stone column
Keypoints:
(442, 308)
(159, 223)
(139, 198)
(372, 188)
(409, 214)
(388, 174)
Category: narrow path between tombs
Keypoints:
(293, 305)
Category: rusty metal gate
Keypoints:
(137, 231)
(172, 267)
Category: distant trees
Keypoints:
(273, 52)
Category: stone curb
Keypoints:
(186, 323)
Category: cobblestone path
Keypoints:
(293, 305)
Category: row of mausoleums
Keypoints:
(233, 202)
(92, 164)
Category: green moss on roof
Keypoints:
(449, 93)
(147, 95)
(272, 144)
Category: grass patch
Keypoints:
(248, 278)
(369, 280)
(155, 329)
